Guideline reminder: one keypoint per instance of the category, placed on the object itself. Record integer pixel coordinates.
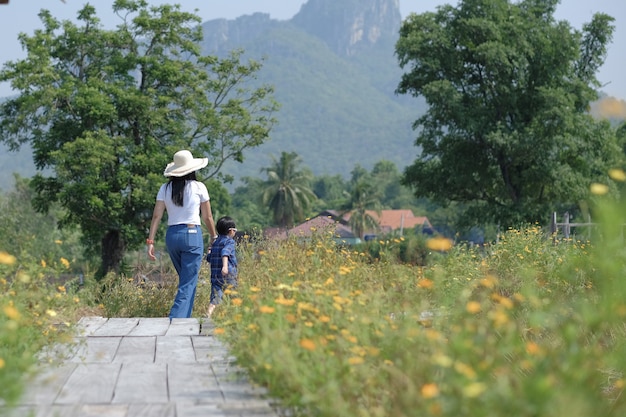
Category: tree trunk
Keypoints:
(112, 253)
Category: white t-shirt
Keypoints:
(195, 194)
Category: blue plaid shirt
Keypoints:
(223, 246)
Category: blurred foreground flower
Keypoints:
(11, 312)
(599, 189)
(617, 174)
(440, 243)
(307, 344)
(6, 259)
(430, 390)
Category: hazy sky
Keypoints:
(21, 16)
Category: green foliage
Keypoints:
(507, 133)
(105, 110)
(34, 237)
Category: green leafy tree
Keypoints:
(105, 110)
(248, 211)
(507, 132)
(388, 179)
(331, 192)
(287, 191)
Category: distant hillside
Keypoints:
(334, 72)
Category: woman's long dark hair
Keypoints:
(178, 187)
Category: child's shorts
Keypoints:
(218, 286)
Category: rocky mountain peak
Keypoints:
(350, 25)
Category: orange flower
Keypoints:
(307, 344)
(267, 309)
(285, 301)
(430, 390)
(425, 283)
(219, 330)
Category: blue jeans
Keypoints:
(186, 249)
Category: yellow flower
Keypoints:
(440, 243)
(430, 390)
(465, 369)
(11, 312)
(219, 330)
(255, 289)
(442, 360)
(599, 189)
(65, 263)
(473, 307)
(473, 390)
(324, 319)
(58, 242)
(285, 301)
(61, 288)
(506, 302)
(344, 270)
(617, 174)
(291, 318)
(307, 344)
(489, 281)
(6, 259)
(236, 301)
(267, 309)
(355, 360)
(51, 313)
(43, 263)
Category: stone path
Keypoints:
(136, 367)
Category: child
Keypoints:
(223, 261)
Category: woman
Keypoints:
(186, 200)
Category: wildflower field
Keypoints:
(527, 326)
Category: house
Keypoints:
(391, 221)
(328, 220)
(400, 220)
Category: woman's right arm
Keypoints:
(157, 215)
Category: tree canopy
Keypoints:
(507, 132)
(287, 190)
(105, 110)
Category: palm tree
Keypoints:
(363, 197)
(287, 190)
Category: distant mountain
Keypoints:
(334, 72)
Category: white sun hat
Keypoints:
(184, 163)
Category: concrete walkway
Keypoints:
(136, 367)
